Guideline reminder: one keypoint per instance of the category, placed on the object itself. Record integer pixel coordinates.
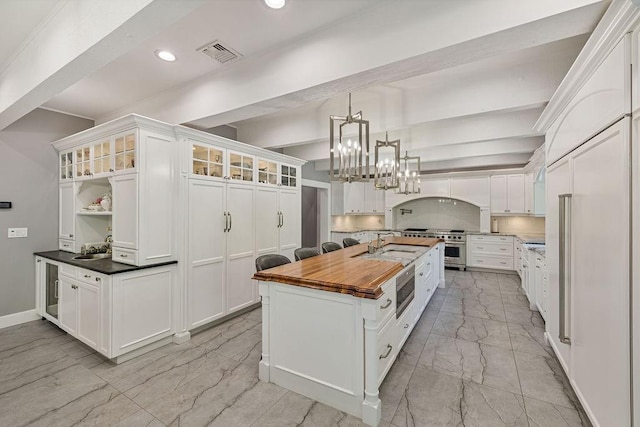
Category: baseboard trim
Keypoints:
(18, 318)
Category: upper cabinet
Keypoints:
(507, 194)
(604, 97)
(359, 198)
(123, 183)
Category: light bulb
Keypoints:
(275, 4)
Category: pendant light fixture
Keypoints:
(349, 157)
(409, 177)
(387, 163)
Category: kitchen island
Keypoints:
(332, 325)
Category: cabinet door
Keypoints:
(369, 197)
(499, 194)
(268, 222)
(558, 182)
(89, 311)
(354, 197)
(599, 287)
(66, 210)
(125, 149)
(528, 193)
(290, 223)
(125, 211)
(289, 176)
(67, 303)
(515, 193)
(207, 251)
(101, 158)
(241, 290)
(66, 166)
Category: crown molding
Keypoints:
(619, 19)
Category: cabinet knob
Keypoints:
(87, 276)
(123, 255)
(406, 325)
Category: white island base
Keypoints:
(337, 348)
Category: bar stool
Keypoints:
(264, 262)
(348, 241)
(302, 253)
(330, 247)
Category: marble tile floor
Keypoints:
(476, 358)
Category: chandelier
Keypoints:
(386, 172)
(349, 158)
(409, 178)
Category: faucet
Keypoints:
(380, 240)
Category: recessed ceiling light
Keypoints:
(275, 4)
(165, 55)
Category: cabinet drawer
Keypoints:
(125, 256)
(387, 301)
(90, 277)
(503, 263)
(494, 248)
(404, 325)
(493, 239)
(68, 270)
(66, 245)
(386, 348)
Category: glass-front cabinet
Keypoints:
(208, 161)
(51, 289)
(267, 172)
(66, 165)
(83, 161)
(125, 151)
(288, 175)
(101, 158)
(240, 167)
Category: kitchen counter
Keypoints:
(342, 271)
(104, 266)
(525, 237)
(357, 230)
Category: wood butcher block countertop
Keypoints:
(341, 271)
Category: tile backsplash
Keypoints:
(352, 222)
(520, 224)
(442, 213)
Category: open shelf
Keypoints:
(95, 213)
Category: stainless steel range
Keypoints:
(455, 242)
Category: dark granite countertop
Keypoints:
(104, 266)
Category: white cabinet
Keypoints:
(79, 306)
(66, 215)
(135, 159)
(490, 252)
(104, 311)
(528, 193)
(507, 194)
(435, 187)
(207, 252)
(595, 282)
(125, 202)
(241, 291)
(354, 194)
(356, 198)
(290, 230)
(373, 199)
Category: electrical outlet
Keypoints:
(17, 232)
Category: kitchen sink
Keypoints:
(91, 257)
(398, 250)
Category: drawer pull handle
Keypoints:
(123, 255)
(480, 260)
(503, 263)
(503, 249)
(480, 247)
(406, 325)
(87, 276)
(97, 279)
(387, 304)
(421, 273)
(384, 356)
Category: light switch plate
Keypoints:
(17, 232)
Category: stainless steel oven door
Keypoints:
(455, 254)
(405, 290)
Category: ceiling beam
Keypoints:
(416, 37)
(78, 39)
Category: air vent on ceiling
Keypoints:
(218, 51)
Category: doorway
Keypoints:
(316, 211)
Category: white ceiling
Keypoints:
(18, 20)
(460, 82)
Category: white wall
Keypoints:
(29, 179)
(442, 213)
